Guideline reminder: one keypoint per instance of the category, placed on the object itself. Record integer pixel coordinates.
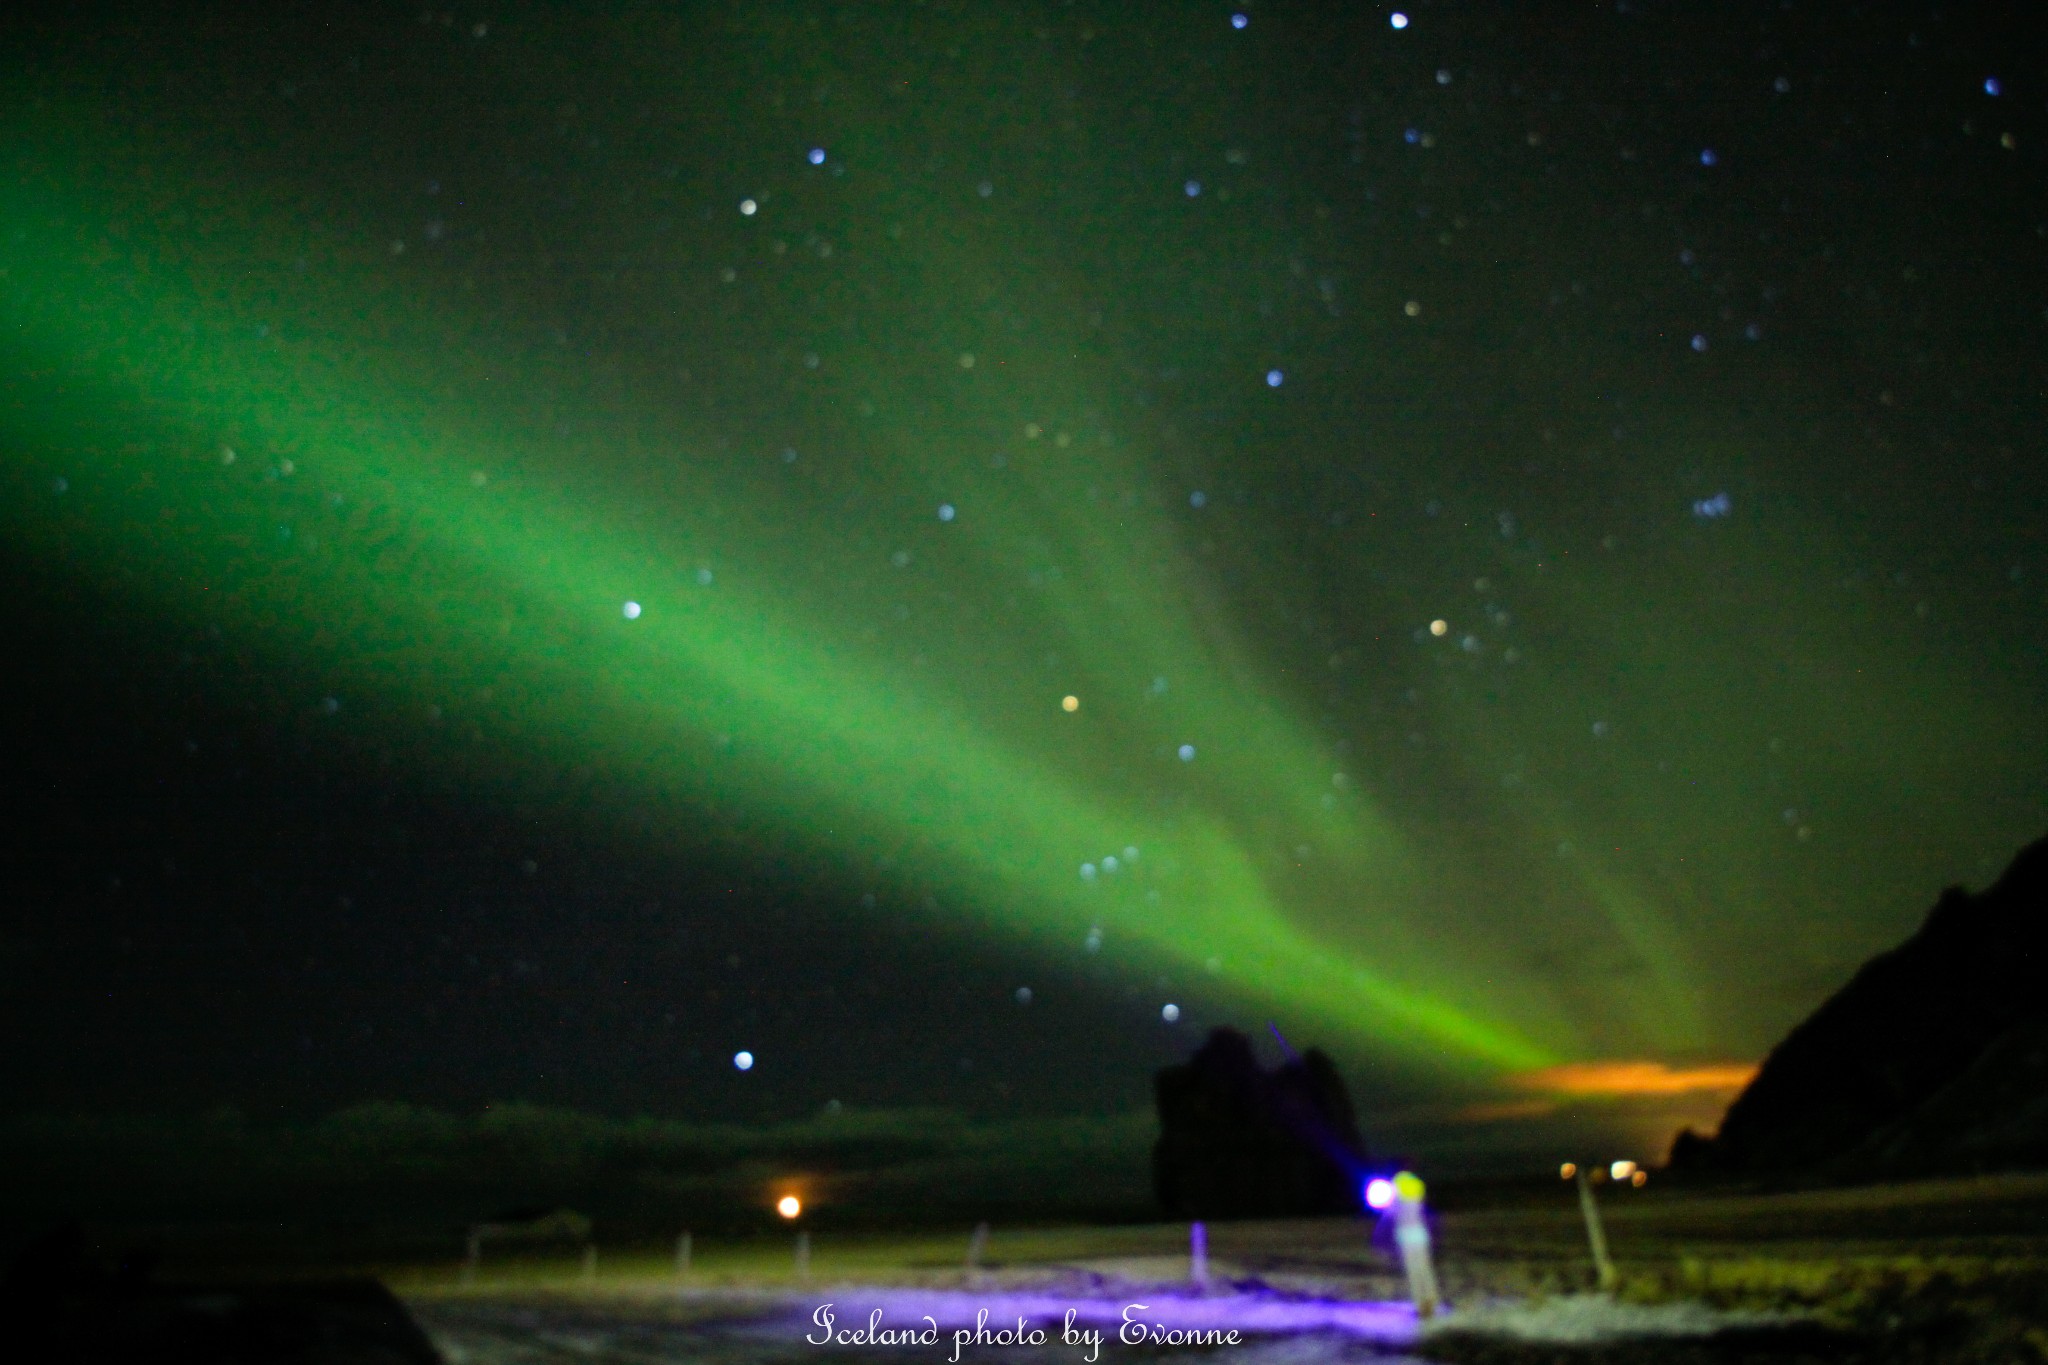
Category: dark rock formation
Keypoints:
(1932, 1060)
(63, 1303)
(1237, 1141)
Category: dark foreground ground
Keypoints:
(1946, 1271)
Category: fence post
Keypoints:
(1411, 1235)
(1596, 1235)
(977, 1247)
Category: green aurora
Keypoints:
(416, 569)
(1643, 765)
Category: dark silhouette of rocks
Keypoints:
(1932, 1060)
(1238, 1141)
(62, 1302)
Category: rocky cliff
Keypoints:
(1238, 1141)
(1932, 1060)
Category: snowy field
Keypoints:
(886, 1324)
(1953, 1270)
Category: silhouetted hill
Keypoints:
(1238, 1141)
(1932, 1060)
(63, 1303)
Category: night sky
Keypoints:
(954, 547)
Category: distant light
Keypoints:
(1398, 19)
(1781, 85)
(1443, 75)
(1709, 508)
(704, 578)
(985, 189)
(1187, 753)
(1198, 499)
(1070, 703)
(1274, 379)
(631, 611)
(743, 1060)
(1621, 1170)
(1110, 864)
(1993, 86)
(817, 156)
(789, 1206)
(1709, 157)
(1439, 626)
(1379, 1192)
(1087, 872)
(945, 511)
(1568, 1170)
(1170, 1013)
(1093, 943)
(1023, 995)
(748, 207)
(1412, 308)
(1699, 341)
(1639, 1178)
(1409, 1186)
(1239, 20)
(1193, 188)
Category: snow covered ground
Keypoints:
(889, 1325)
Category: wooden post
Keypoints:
(977, 1247)
(1411, 1236)
(472, 1257)
(1596, 1235)
(590, 1263)
(682, 1255)
(1198, 1256)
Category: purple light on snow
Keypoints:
(1392, 1323)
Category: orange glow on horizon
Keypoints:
(789, 1206)
(1625, 1078)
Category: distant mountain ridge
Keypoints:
(1932, 1060)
